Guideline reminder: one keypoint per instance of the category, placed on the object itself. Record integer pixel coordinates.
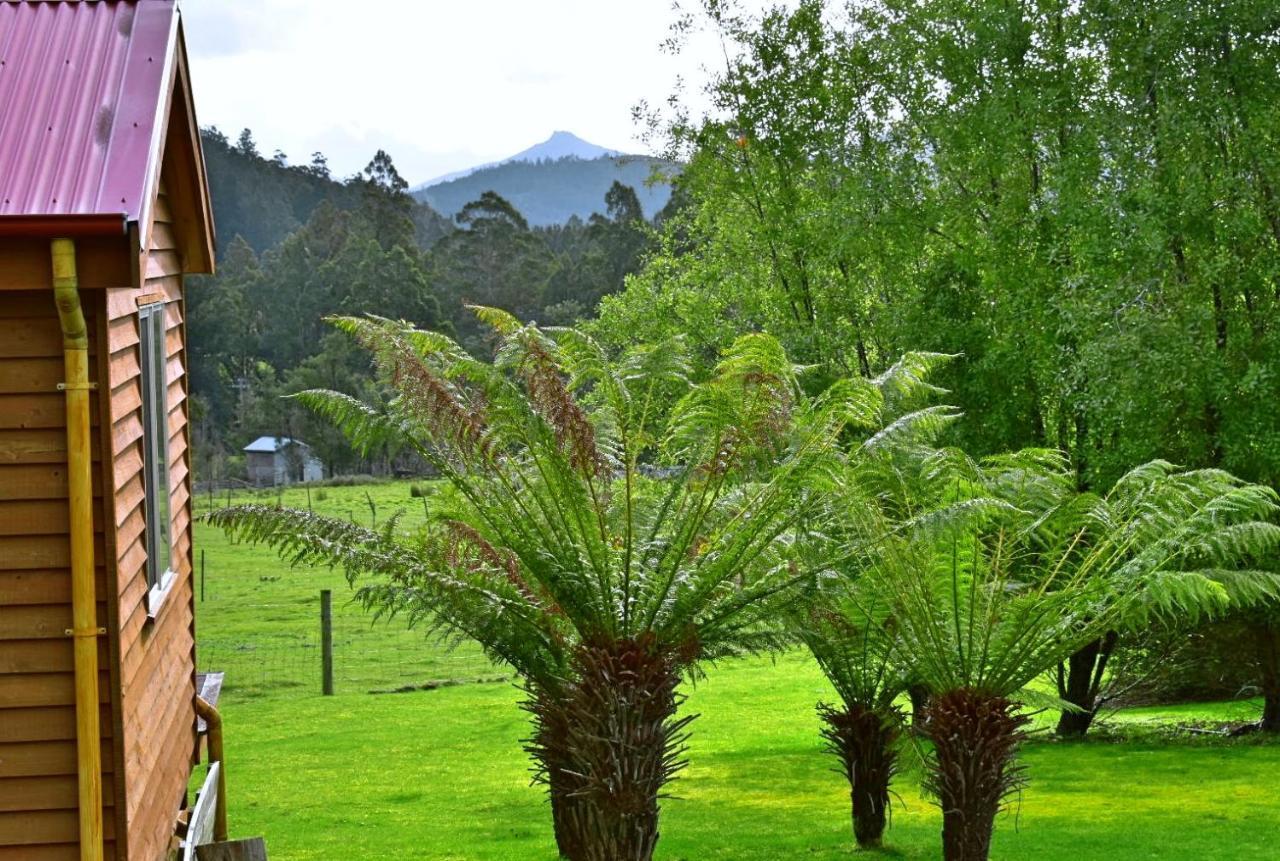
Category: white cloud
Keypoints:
(439, 85)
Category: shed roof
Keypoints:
(87, 93)
(272, 444)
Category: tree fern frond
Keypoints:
(919, 427)
(502, 322)
(365, 428)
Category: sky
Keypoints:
(441, 85)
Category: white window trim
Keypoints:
(155, 427)
(157, 594)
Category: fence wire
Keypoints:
(258, 620)
(367, 658)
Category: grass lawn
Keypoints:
(439, 774)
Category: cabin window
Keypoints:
(155, 436)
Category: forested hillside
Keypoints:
(552, 191)
(263, 199)
(297, 244)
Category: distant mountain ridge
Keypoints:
(560, 145)
(554, 181)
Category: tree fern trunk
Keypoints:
(549, 749)
(973, 768)
(568, 842)
(607, 746)
(863, 740)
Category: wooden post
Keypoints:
(326, 641)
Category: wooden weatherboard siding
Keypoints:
(38, 801)
(157, 655)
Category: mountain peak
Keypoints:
(561, 144)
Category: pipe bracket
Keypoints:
(85, 632)
(80, 387)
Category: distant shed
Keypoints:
(271, 461)
(103, 209)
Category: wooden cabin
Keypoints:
(104, 206)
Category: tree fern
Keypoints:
(565, 555)
(1005, 570)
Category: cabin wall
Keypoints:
(157, 655)
(38, 782)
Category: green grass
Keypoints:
(439, 774)
(259, 620)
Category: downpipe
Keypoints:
(214, 721)
(84, 600)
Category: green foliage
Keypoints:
(1006, 569)
(304, 246)
(263, 201)
(1080, 198)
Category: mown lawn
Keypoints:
(439, 774)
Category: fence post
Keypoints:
(326, 641)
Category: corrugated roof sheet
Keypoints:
(273, 444)
(83, 88)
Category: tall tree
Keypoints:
(386, 203)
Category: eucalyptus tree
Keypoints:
(1009, 570)
(562, 552)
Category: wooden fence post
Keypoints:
(326, 641)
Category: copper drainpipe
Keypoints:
(213, 721)
(84, 600)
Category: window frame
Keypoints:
(156, 466)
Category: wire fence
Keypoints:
(365, 660)
(259, 621)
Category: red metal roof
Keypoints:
(83, 93)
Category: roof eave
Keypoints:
(207, 231)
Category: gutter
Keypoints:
(84, 599)
(54, 226)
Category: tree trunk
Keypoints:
(1268, 638)
(863, 740)
(568, 841)
(606, 745)
(973, 768)
(1080, 684)
(548, 747)
(919, 695)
